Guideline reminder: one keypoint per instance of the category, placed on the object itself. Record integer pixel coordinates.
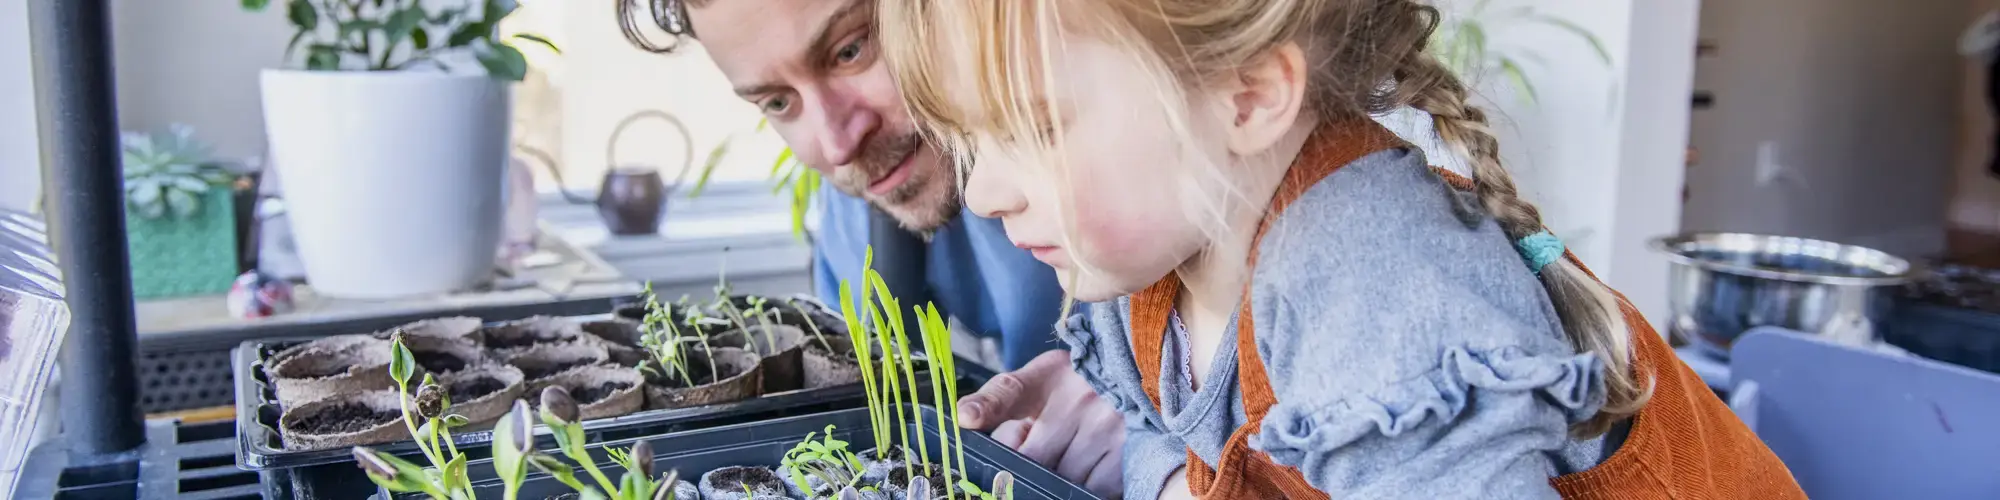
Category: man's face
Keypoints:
(812, 67)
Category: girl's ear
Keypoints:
(1265, 99)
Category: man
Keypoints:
(812, 68)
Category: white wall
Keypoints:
(196, 62)
(1848, 109)
(20, 157)
(1601, 151)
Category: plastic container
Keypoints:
(693, 453)
(33, 320)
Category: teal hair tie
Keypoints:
(1539, 250)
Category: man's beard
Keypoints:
(919, 203)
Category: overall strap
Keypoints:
(1331, 146)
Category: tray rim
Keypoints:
(978, 444)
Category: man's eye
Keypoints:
(775, 105)
(850, 52)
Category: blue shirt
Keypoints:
(975, 274)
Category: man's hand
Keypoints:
(1047, 412)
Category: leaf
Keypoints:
(256, 5)
(1518, 79)
(454, 471)
(505, 63)
(303, 15)
(708, 167)
(420, 38)
(456, 420)
(323, 57)
(361, 26)
(447, 16)
(1581, 32)
(539, 40)
(402, 24)
(402, 364)
(184, 204)
(468, 33)
(591, 494)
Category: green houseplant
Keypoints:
(396, 114)
(179, 222)
(1462, 42)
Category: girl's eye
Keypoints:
(850, 52)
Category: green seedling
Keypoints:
(447, 477)
(827, 459)
(662, 342)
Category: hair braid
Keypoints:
(1592, 318)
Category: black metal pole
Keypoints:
(901, 257)
(78, 119)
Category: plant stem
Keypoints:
(446, 432)
(950, 368)
(937, 340)
(891, 368)
(857, 336)
(403, 401)
(582, 457)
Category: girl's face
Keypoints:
(1106, 205)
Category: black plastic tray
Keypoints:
(765, 443)
(257, 410)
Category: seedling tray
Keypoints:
(261, 446)
(693, 453)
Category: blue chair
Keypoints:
(1860, 424)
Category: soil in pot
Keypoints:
(362, 418)
(455, 327)
(326, 369)
(620, 338)
(443, 355)
(525, 333)
(546, 360)
(739, 372)
(829, 361)
(483, 393)
(600, 391)
(875, 470)
(333, 343)
(783, 350)
(899, 480)
(740, 483)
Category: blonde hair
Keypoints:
(1366, 57)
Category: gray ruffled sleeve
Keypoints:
(1100, 349)
(1412, 356)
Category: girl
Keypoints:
(1289, 303)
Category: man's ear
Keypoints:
(1265, 100)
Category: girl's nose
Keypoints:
(991, 190)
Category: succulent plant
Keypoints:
(168, 172)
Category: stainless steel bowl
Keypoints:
(1724, 284)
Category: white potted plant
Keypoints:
(391, 137)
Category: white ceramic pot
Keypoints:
(392, 180)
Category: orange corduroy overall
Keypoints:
(1685, 444)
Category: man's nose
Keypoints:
(845, 131)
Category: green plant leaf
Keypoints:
(402, 364)
(402, 24)
(323, 57)
(1581, 32)
(469, 33)
(420, 38)
(504, 62)
(184, 205)
(1519, 79)
(256, 5)
(538, 39)
(303, 14)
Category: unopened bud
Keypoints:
(557, 404)
(642, 456)
(430, 401)
(374, 465)
(520, 429)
